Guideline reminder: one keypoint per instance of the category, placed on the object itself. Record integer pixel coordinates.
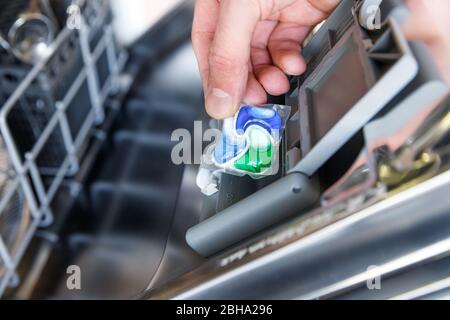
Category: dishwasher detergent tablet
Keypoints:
(249, 142)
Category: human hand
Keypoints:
(246, 48)
(430, 24)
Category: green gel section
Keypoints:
(258, 158)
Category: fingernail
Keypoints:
(218, 103)
(251, 102)
(293, 65)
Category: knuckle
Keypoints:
(199, 37)
(266, 7)
(225, 64)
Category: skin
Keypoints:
(246, 48)
(429, 23)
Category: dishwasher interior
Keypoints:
(120, 209)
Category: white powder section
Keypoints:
(259, 138)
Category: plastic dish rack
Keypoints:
(45, 121)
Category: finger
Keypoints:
(204, 26)
(284, 47)
(310, 12)
(261, 60)
(229, 57)
(428, 23)
(260, 40)
(274, 81)
(260, 56)
(255, 93)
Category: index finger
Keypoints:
(203, 29)
(229, 56)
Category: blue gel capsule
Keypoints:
(227, 150)
(252, 128)
(268, 119)
(230, 144)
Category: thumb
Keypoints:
(229, 57)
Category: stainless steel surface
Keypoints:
(389, 141)
(328, 252)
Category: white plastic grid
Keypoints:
(27, 179)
